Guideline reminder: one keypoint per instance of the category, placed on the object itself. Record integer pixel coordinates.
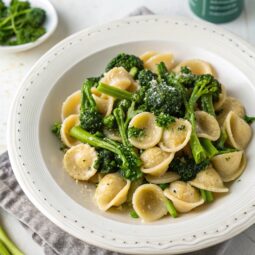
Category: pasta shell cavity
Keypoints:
(79, 162)
(176, 136)
(68, 123)
(118, 77)
(71, 105)
(230, 165)
(155, 161)
(196, 66)
(104, 103)
(112, 190)
(230, 104)
(151, 59)
(148, 202)
(210, 180)
(152, 132)
(184, 196)
(207, 126)
(165, 178)
(239, 132)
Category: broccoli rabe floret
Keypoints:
(55, 129)
(162, 98)
(145, 77)
(187, 168)
(125, 60)
(110, 122)
(36, 17)
(136, 132)
(164, 120)
(249, 119)
(90, 119)
(106, 161)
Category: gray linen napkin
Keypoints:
(56, 242)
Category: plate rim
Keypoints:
(39, 204)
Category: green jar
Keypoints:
(217, 11)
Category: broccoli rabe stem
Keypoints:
(3, 249)
(170, 208)
(209, 147)
(114, 92)
(206, 195)
(119, 116)
(133, 71)
(9, 244)
(197, 149)
(207, 104)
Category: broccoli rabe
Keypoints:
(249, 119)
(187, 168)
(136, 132)
(130, 164)
(125, 60)
(20, 23)
(145, 77)
(90, 119)
(55, 129)
(110, 122)
(164, 120)
(106, 161)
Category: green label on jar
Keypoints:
(217, 11)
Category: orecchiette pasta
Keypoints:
(155, 161)
(79, 162)
(148, 202)
(165, 178)
(152, 59)
(112, 190)
(104, 103)
(230, 104)
(68, 123)
(120, 78)
(71, 105)
(184, 196)
(152, 132)
(207, 126)
(112, 134)
(230, 165)
(238, 131)
(176, 136)
(210, 180)
(197, 66)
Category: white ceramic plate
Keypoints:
(37, 161)
(50, 25)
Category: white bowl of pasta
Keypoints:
(156, 159)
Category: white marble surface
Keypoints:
(74, 16)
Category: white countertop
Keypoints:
(74, 16)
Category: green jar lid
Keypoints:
(217, 11)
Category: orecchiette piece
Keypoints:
(184, 196)
(230, 165)
(165, 178)
(207, 126)
(148, 54)
(152, 59)
(68, 123)
(104, 103)
(155, 161)
(152, 132)
(176, 136)
(210, 180)
(95, 179)
(197, 66)
(120, 78)
(71, 105)
(238, 131)
(222, 97)
(111, 191)
(230, 104)
(148, 202)
(79, 162)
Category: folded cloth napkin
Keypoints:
(56, 242)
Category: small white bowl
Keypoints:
(50, 25)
